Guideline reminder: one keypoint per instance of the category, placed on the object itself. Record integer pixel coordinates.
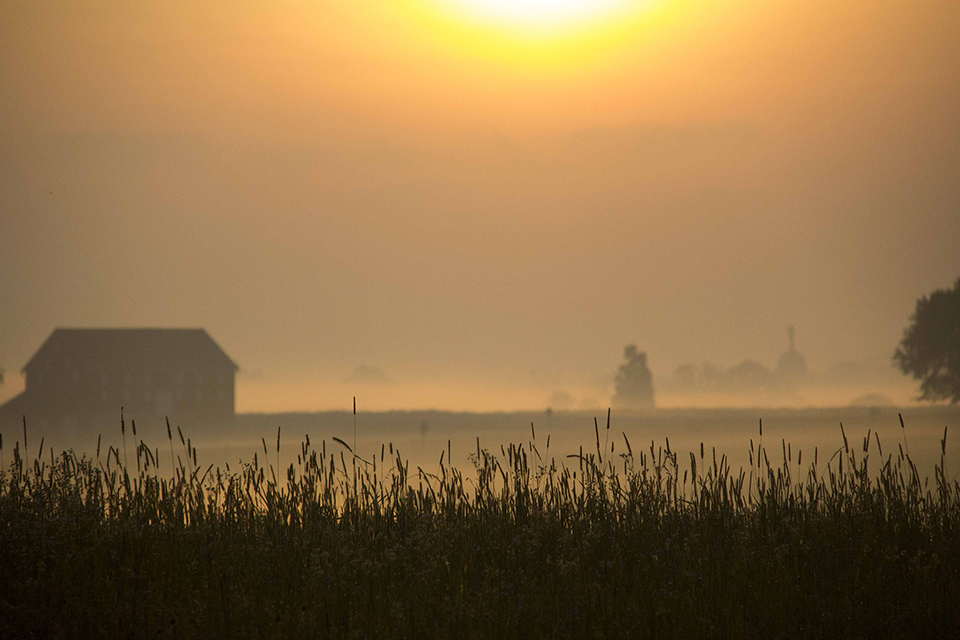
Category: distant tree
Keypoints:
(634, 383)
(930, 349)
(712, 378)
(685, 377)
(561, 400)
(749, 374)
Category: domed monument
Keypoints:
(792, 365)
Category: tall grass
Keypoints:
(615, 542)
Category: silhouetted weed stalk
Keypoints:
(604, 543)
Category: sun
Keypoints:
(549, 37)
(544, 16)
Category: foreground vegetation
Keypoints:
(614, 542)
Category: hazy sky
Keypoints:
(464, 198)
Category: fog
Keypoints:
(359, 199)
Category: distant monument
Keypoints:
(634, 382)
(792, 365)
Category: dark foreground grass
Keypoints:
(639, 544)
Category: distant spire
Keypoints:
(792, 363)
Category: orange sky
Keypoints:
(325, 184)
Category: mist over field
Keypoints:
(482, 224)
(448, 218)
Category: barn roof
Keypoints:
(117, 348)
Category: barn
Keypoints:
(79, 376)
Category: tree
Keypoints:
(930, 349)
(634, 384)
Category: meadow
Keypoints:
(614, 539)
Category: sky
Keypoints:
(481, 206)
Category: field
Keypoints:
(601, 533)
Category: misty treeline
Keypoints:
(621, 541)
(748, 375)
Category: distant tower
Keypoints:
(792, 364)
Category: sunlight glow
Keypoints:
(541, 11)
(542, 16)
(534, 42)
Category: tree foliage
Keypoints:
(634, 383)
(930, 349)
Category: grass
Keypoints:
(635, 543)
